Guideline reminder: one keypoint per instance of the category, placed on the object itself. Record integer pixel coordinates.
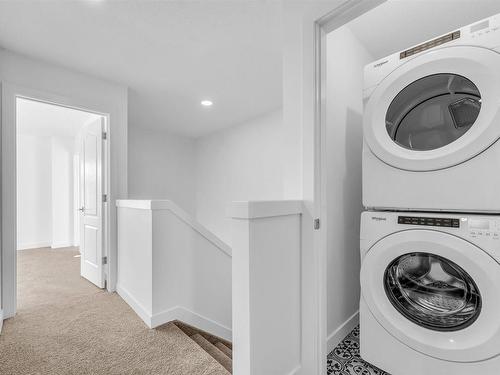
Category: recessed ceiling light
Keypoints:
(206, 103)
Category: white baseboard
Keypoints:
(58, 245)
(176, 313)
(139, 309)
(38, 245)
(341, 332)
(1, 320)
(193, 319)
(33, 245)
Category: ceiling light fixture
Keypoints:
(206, 103)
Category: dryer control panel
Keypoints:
(484, 33)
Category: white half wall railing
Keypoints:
(170, 267)
(266, 287)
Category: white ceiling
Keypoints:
(398, 24)
(42, 119)
(172, 54)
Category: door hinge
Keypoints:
(104, 135)
(105, 198)
(104, 260)
(316, 224)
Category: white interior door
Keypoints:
(76, 197)
(91, 181)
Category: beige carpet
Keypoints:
(66, 325)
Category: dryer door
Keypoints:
(436, 293)
(437, 110)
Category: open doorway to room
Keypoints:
(349, 51)
(60, 189)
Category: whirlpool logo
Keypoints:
(378, 65)
(377, 218)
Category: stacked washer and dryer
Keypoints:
(430, 238)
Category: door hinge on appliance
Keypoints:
(104, 260)
(316, 224)
(105, 198)
(104, 135)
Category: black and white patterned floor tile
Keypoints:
(345, 359)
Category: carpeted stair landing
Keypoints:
(67, 326)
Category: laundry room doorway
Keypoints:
(343, 49)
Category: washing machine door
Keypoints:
(437, 110)
(436, 293)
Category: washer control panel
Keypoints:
(479, 227)
(430, 221)
(484, 227)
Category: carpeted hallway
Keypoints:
(66, 325)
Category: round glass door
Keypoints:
(432, 291)
(433, 111)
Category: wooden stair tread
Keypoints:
(224, 349)
(214, 351)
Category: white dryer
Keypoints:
(432, 124)
(430, 293)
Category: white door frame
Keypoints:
(10, 92)
(322, 26)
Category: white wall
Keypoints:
(34, 191)
(204, 175)
(45, 197)
(346, 58)
(19, 74)
(62, 191)
(244, 162)
(161, 166)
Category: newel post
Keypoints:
(266, 287)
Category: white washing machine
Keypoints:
(432, 124)
(430, 293)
